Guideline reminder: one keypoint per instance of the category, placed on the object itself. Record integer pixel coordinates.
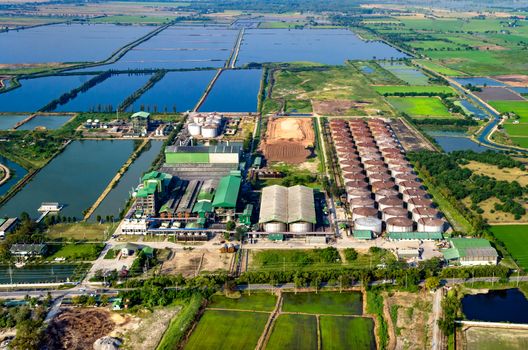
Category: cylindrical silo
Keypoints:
(418, 202)
(424, 212)
(390, 202)
(362, 202)
(394, 212)
(194, 129)
(431, 225)
(399, 225)
(368, 224)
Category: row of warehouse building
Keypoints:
(383, 192)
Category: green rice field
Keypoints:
(349, 303)
(256, 302)
(520, 141)
(515, 239)
(347, 333)
(408, 74)
(516, 129)
(294, 332)
(228, 330)
(439, 68)
(430, 89)
(518, 107)
(420, 106)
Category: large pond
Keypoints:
(75, 178)
(509, 305)
(50, 122)
(66, 42)
(9, 121)
(117, 198)
(177, 90)
(479, 81)
(234, 91)
(408, 74)
(36, 93)
(107, 95)
(456, 141)
(179, 47)
(39, 273)
(17, 172)
(330, 46)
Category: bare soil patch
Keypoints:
(191, 262)
(336, 107)
(498, 93)
(288, 140)
(518, 80)
(491, 48)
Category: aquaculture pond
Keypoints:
(408, 74)
(36, 93)
(17, 172)
(479, 81)
(107, 95)
(478, 113)
(179, 47)
(9, 121)
(67, 42)
(455, 141)
(41, 273)
(177, 90)
(329, 46)
(75, 178)
(50, 122)
(508, 305)
(234, 91)
(115, 201)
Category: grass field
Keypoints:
(124, 19)
(347, 333)
(409, 74)
(227, 330)
(515, 239)
(439, 68)
(420, 106)
(79, 231)
(518, 107)
(507, 339)
(80, 251)
(516, 129)
(257, 302)
(294, 332)
(520, 141)
(429, 89)
(350, 303)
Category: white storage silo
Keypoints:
(399, 224)
(430, 225)
(275, 227)
(368, 224)
(209, 131)
(194, 129)
(394, 212)
(301, 227)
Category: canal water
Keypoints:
(17, 173)
(456, 141)
(234, 91)
(8, 121)
(329, 46)
(67, 42)
(107, 95)
(39, 273)
(50, 122)
(36, 93)
(478, 81)
(117, 198)
(179, 90)
(75, 178)
(509, 305)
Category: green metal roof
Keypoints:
(148, 250)
(451, 254)
(416, 236)
(205, 196)
(140, 114)
(194, 225)
(362, 234)
(276, 237)
(227, 192)
(147, 190)
(464, 245)
(202, 207)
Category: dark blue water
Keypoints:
(17, 173)
(177, 89)
(367, 70)
(478, 81)
(50, 122)
(520, 90)
(509, 305)
(454, 141)
(330, 46)
(66, 43)
(478, 113)
(36, 93)
(37, 273)
(116, 199)
(234, 91)
(8, 121)
(75, 178)
(107, 95)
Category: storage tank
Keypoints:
(356, 184)
(369, 163)
(376, 170)
(379, 177)
(363, 202)
(354, 177)
(378, 185)
(353, 169)
(301, 227)
(414, 193)
(385, 192)
(399, 225)
(364, 212)
(358, 193)
(199, 118)
(424, 212)
(400, 170)
(404, 177)
(209, 131)
(431, 225)
(394, 212)
(368, 224)
(418, 202)
(275, 227)
(194, 129)
(350, 161)
(407, 185)
(390, 202)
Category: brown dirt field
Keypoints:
(514, 174)
(187, 262)
(415, 319)
(287, 140)
(334, 107)
(498, 93)
(491, 48)
(517, 80)
(498, 217)
(79, 328)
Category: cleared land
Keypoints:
(496, 93)
(418, 90)
(477, 338)
(420, 106)
(294, 332)
(518, 80)
(192, 262)
(80, 231)
(227, 329)
(515, 239)
(347, 333)
(324, 303)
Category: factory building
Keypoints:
(223, 154)
(140, 123)
(226, 197)
(153, 189)
(470, 252)
(286, 209)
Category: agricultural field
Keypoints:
(417, 90)
(346, 333)
(375, 74)
(420, 106)
(409, 74)
(324, 303)
(439, 68)
(476, 338)
(518, 107)
(515, 239)
(294, 332)
(255, 302)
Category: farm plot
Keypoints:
(324, 303)
(227, 329)
(518, 80)
(416, 90)
(347, 333)
(294, 332)
(518, 107)
(420, 106)
(515, 239)
(288, 139)
(480, 338)
(256, 302)
(498, 94)
(408, 74)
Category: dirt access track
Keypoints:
(288, 139)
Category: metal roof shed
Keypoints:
(301, 206)
(362, 234)
(274, 204)
(226, 195)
